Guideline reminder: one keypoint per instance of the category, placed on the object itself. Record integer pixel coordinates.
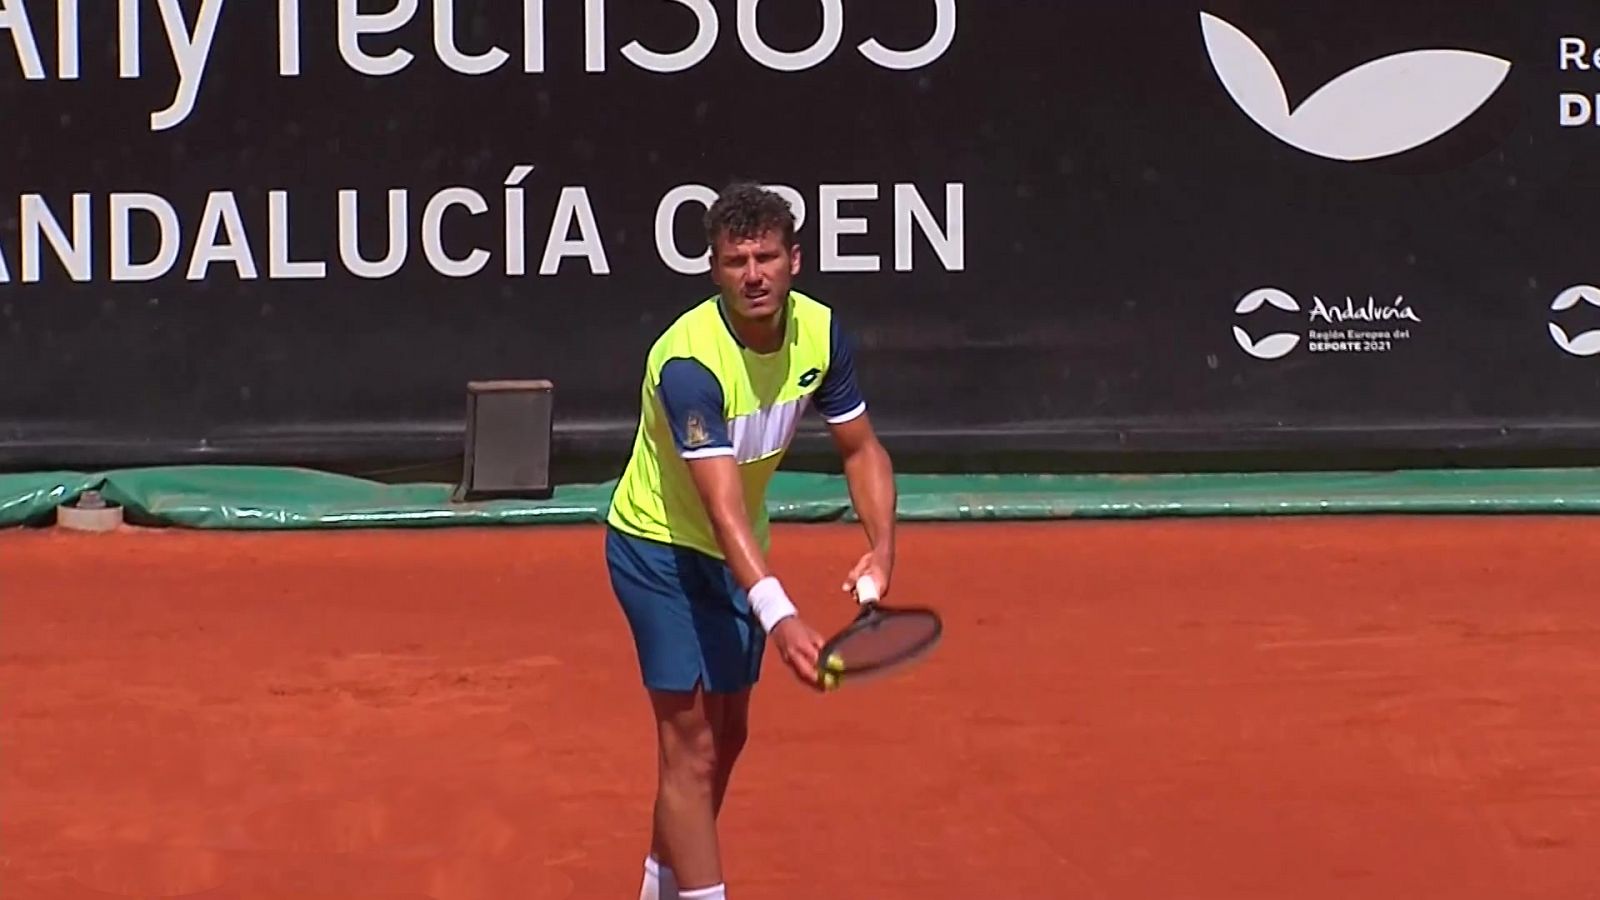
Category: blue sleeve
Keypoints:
(838, 397)
(692, 399)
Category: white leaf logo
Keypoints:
(1273, 346)
(1588, 343)
(1381, 108)
(1264, 296)
(1570, 297)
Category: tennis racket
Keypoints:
(880, 639)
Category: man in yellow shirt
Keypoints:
(724, 388)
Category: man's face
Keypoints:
(754, 274)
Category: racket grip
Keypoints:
(866, 590)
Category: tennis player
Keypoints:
(724, 387)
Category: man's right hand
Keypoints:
(798, 645)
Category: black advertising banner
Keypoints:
(267, 229)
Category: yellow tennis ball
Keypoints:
(830, 681)
(834, 663)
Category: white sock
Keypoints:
(659, 882)
(715, 892)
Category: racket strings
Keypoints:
(887, 640)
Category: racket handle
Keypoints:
(866, 590)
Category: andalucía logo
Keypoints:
(1331, 326)
(1380, 108)
(1587, 343)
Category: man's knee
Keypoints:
(689, 753)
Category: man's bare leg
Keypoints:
(685, 828)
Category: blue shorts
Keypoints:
(691, 621)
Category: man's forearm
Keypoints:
(718, 483)
(869, 473)
(744, 557)
(739, 547)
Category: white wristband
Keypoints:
(770, 603)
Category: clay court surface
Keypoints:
(1273, 708)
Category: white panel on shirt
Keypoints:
(766, 431)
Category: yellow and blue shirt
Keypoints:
(705, 394)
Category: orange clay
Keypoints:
(1335, 708)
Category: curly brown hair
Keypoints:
(744, 210)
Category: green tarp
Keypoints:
(34, 496)
(247, 497)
